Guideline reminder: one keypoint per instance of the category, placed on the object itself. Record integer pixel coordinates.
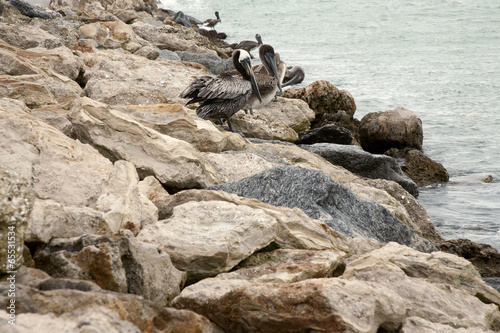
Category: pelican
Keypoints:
(250, 45)
(268, 76)
(211, 23)
(225, 94)
(294, 75)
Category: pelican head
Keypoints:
(266, 53)
(246, 65)
(217, 15)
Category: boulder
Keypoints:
(111, 34)
(207, 232)
(30, 10)
(211, 61)
(60, 60)
(175, 163)
(328, 134)
(113, 7)
(25, 36)
(363, 163)
(120, 264)
(322, 198)
(16, 203)
(423, 170)
(399, 128)
(261, 128)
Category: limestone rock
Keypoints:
(111, 35)
(212, 62)
(423, 170)
(173, 162)
(120, 264)
(383, 130)
(26, 36)
(322, 198)
(60, 60)
(16, 203)
(363, 163)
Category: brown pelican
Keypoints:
(225, 94)
(294, 75)
(268, 76)
(211, 23)
(250, 45)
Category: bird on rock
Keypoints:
(211, 23)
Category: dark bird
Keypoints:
(211, 23)
(250, 45)
(268, 76)
(223, 95)
(294, 75)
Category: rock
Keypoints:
(111, 35)
(169, 55)
(120, 264)
(55, 115)
(148, 52)
(16, 203)
(341, 119)
(423, 170)
(329, 134)
(112, 7)
(383, 130)
(397, 288)
(212, 62)
(60, 60)
(151, 188)
(363, 163)
(259, 127)
(96, 311)
(322, 198)
(324, 97)
(483, 256)
(207, 232)
(286, 266)
(26, 36)
(29, 10)
(173, 162)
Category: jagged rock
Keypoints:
(173, 162)
(111, 35)
(212, 62)
(396, 288)
(55, 115)
(399, 128)
(29, 10)
(322, 198)
(148, 52)
(423, 170)
(209, 232)
(120, 264)
(16, 203)
(259, 127)
(363, 163)
(324, 97)
(113, 7)
(28, 36)
(328, 134)
(60, 60)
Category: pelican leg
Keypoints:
(231, 128)
(249, 111)
(275, 99)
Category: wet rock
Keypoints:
(363, 163)
(29, 10)
(16, 203)
(322, 198)
(423, 170)
(120, 264)
(173, 162)
(383, 130)
(328, 133)
(207, 232)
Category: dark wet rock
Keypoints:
(29, 10)
(212, 62)
(322, 198)
(363, 163)
(342, 119)
(328, 133)
(485, 257)
(493, 282)
(423, 170)
(399, 128)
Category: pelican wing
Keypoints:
(225, 86)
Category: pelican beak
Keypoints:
(248, 68)
(297, 78)
(271, 59)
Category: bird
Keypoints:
(211, 23)
(223, 95)
(250, 45)
(268, 76)
(294, 75)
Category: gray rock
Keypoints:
(214, 64)
(362, 163)
(322, 198)
(169, 55)
(29, 10)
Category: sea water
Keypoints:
(438, 58)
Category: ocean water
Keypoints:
(438, 58)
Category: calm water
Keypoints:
(438, 58)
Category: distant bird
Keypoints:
(294, 75)
(268, 76)
(250, 45)
(211, 23)
(223, 95)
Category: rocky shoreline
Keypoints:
(121, 211)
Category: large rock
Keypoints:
(390, 289)
(120, 264)
(26, 36)
(60, 60)
(112, 35)
(173, 162)
(322, 198)
(423, 170)
(209, 232)
(16, 203)
(363, 163)
(383, 130)
(212, 62)
(327, 133)
(113, 7)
